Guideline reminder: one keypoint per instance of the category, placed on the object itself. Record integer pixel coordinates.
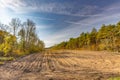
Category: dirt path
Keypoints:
(63, 65)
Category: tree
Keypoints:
(7, 44)
(22, 40)
(106, 38)
(21, 33)
(28, 37)
(93, 38)
(29, 27)
(15, 24)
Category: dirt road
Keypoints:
(63, 65)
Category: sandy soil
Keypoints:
(63, 65)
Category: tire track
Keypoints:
(57, 66)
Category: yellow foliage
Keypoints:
(102, 47)
(7, 45)
(18, 52)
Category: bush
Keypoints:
(6, 58)
(114, 78)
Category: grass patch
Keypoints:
(6, 58)
(114, 78)
(1, 63)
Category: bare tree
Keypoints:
(15, 24)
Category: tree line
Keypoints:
(19, 38)
(106, 38)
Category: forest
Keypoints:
(19, 38)
(106, 38)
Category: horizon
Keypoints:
(59, 20)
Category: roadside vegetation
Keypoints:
(106, 38)
(18, 39)
(114, 78)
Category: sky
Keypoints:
(59, 20)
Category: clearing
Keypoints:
(63, 65)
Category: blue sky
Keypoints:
(59, 20)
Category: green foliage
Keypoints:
(21, 41)
(6, 58)
(106, 38)
(114, 78)
(3, 59)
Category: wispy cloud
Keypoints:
(113, 7)
(54, 39)
(13, 4)
(74, 18)
(83, 25)
(40, 18)
(86, 24)
(23, 6)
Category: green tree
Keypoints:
(93, 39)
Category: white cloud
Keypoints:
(5, 17)
(23, 6)
(54, 39)
(43, 27)
(82, 26)
(40, 18)
(11, 4)
(93, 20)
(113, 7)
